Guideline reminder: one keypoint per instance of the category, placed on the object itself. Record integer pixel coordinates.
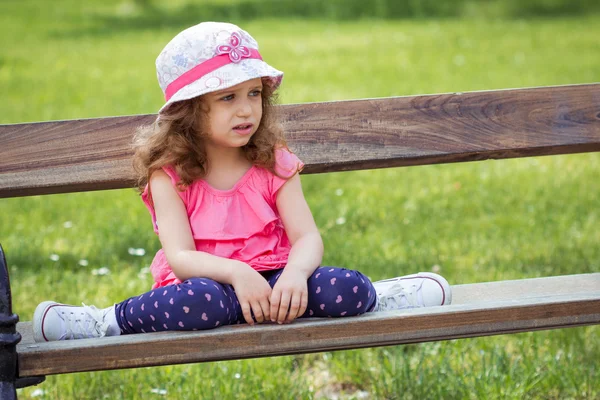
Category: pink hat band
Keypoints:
(206, 67)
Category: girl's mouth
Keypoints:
(243, 129)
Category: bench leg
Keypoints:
(9, 337)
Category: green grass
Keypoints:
(474, 222)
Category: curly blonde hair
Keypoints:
(173, 140)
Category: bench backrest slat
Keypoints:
(93, 154)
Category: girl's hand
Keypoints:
(289, 298)
(253, 292)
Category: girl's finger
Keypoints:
(303, 304)
(275, 299)
(266, 309)
(294, 306)
(258, 313)
(246, 311)
(284, 305)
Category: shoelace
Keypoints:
(96, 324)
(394, 300)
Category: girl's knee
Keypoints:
(205, 304)
(338, 292)
(204, 292)
(342, 281)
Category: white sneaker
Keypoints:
(54, 321)
(424, 289)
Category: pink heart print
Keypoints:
(207, 295)
(191, 292)
(142, 307)
(180, 324)
(348, 275)
(166, 314)
(333, 281)
(156, 304)
(186, 309)
(318, 289)
(344, 313)
(171, 301)
(322, 306)
(152, 317)
(359, 304)
(204, 317)
(355, 289)
(338, 299)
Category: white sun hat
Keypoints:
(208, 57)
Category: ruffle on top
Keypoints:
(241, 223)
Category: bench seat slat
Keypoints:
(478, 310)
(94, 154)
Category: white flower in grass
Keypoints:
(83, 262)
(237, 375)
(459, 60)
(339, 192)
(37, 393)
(340, 221)
(162, 392)
(143, 272)
(101, 271)
(68, 224)
(54, 257)
(136, 252)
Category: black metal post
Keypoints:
(9, 337)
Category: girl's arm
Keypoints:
(306, 254)
(176, 238)
(175, 235)
(300, 226)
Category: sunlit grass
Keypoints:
(473, 222)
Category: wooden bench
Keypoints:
(94, 154)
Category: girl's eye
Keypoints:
(255, 93)
(227, 98)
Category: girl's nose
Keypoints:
(245, 108)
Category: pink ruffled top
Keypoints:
(241, 223)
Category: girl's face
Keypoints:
(234, 114)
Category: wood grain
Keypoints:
(94, 154)
(478, 310)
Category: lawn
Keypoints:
(472, 222)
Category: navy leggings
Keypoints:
(201, 303)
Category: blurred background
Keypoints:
(471, 222)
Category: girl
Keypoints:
(239, 243)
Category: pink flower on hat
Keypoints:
(235, 49)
